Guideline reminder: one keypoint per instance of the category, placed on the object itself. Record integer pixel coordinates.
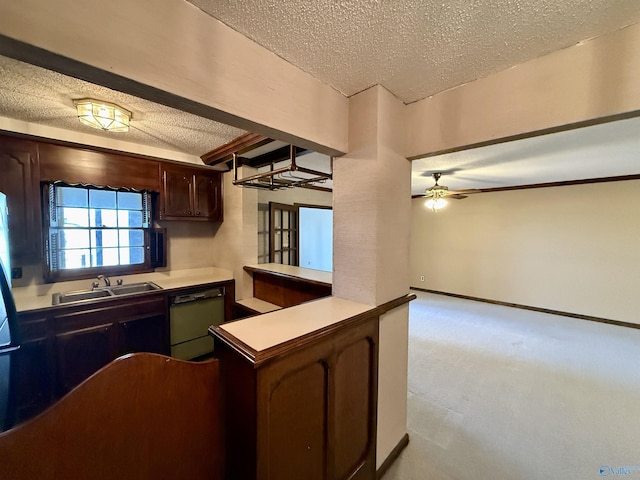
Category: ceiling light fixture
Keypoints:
(103, 115)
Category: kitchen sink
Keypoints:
(79, 295)
(91, 294)
(134, 288)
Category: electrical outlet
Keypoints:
(422, 278)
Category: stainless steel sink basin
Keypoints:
(116, 290)
(134, 288)
(79, 295)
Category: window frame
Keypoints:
(90, 272)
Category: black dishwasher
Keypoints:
(190, 315)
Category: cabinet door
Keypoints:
(177, 192)
(146, 334)
(80, 353)
(208, 195)
(19, 181)
(33, 379)
(35, 366)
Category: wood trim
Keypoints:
(238, 145)
(545, 185)
(537, 133)
(258, 358)
(534, 309)
(274, 156)
(395, 303)
(393, 456)
(252, 270)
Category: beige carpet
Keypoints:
(503, 393)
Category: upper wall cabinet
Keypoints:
(190, 193)
(87, 165)
(19, 181)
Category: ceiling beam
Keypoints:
(274, 156)
(239, 145)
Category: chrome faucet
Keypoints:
(107, 282)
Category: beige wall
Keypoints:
(572, 249)
(189, 244)
(371, 215)
(594, 79)
(371, 197)
(236, 239)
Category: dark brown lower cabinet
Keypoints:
(81, 353)
(33, 378)
(302, 410)
(34, 370)
(144, 334)
(87, 339)
(62, 347)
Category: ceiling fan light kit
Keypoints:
(435, 195)
(435, 204)
(103, 115)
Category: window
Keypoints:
(96, 230)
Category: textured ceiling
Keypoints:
(416, 48)
(413, 48)
(33, 94)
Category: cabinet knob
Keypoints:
(198, 212)
(188, 212)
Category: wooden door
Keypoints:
(283, 234)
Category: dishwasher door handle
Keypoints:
(183, 299)
(194, 297)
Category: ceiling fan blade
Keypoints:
(457, 196)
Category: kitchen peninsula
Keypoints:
(300, 391)
(277, 286)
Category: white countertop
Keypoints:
(35, 297)
(258, 305)
(270, 329)
(299, 272)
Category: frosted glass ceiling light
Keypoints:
(103, 115)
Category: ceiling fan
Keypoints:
(436, 195)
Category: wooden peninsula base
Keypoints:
(300, 392)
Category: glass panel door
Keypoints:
(283, 241)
